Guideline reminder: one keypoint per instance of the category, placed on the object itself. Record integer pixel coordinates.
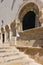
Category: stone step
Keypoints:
(13, 55)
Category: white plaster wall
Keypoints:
(6, 14)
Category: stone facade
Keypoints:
(11, 30)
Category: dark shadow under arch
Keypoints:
(3, 37)
(29, 20)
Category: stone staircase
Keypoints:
(32, 37)
(9, 55)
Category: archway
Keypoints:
(30, 12)
(29, 20)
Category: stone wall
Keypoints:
(33, 37)
(35, 53)
(30, 5)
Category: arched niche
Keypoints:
(27, 8)
(13, 28)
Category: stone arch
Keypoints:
(13, 28)
(29, 7)
(39, 3)
(26, 8)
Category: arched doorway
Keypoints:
(28, 16)
(29, 20)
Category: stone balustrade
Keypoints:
(32, 37)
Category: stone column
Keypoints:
(5, 36)
(41, 18)
(10, 34)
(41, 24)
(1, 37)
(37, 24)
(41, 21)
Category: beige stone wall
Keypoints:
(16, 25)
(30, 5)
(35, 53)
(33, 38)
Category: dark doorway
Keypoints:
(3, 38)
(29, 20)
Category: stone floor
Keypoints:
(34, 52)
(10, 55)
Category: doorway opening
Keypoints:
(29, 20)
(3, 38)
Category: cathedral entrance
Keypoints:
(29, 20)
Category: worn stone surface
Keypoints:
(33, 37)
(11, 56)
